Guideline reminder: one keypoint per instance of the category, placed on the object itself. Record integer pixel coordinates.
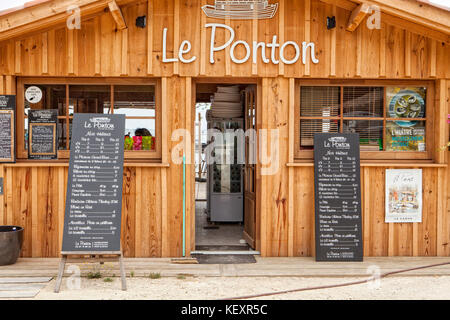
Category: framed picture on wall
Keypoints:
(403, 195)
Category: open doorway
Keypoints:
(225, 188)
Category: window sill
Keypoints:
(59, 163)
(415, 164)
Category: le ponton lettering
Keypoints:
(99, 123)
(232, 309)
(257, 48)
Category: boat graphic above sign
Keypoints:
(241, 9)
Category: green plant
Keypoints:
(154, 275)
(94, 275)
(181, 277)
(108, 280)
(132, 274)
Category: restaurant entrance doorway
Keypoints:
(225, 145)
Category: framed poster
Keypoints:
(7, 128)
(42, 134)
(405, 103)
(403, 195)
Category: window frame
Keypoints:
(22, 153)
(302, 154)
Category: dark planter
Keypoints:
(11, 239)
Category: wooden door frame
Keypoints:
(257, 82)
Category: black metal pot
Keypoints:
(11, 239)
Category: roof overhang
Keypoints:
(44, 14)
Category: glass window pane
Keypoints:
(405, 136)
(370, 133)
(320, 101)
(406, 102)
(62, 134)
(135, 101)
(89, 99)
(363, 102)
(45, 97)
(309, 127)
(140, 134)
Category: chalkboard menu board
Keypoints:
(337, 197)
(94, 190)
(7, 128)
(42, 134)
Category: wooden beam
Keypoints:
(357, 16)
(46, 15)
(117, 15)
(412, 10)
(400, 22)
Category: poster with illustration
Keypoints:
(405, 103)
(403, 195)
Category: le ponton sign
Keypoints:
(250, 51)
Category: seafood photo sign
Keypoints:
(404, 104)
(403, 195)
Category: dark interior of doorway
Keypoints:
(212, 234)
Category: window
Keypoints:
(390, 120)
(137, 101)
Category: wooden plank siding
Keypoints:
(99, 46)
(34, 193)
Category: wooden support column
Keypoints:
(291, 183)
(190, 210)
(357, 16)
(165, 241)
(117, 15)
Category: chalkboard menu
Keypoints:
(42, 134)
(337, 197)
(94, 190)
(7, 128)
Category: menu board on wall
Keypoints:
(42, 134)
(7, 128)
(337, 197)
(94, 189)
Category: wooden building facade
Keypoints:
(411, 49)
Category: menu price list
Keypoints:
(337, 197)
(7, 120)
(93, 207)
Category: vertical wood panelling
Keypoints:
(150, 25)
(97, 49)
(407, 53)
(44, 54)
(307, 37)
(18, 57)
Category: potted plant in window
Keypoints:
(11, 239)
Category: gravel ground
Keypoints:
(205, 288)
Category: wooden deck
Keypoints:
(265, 267)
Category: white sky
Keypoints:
(6, 4)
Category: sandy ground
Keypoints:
(204, 288)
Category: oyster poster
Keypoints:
(403, 195)
(404, 104)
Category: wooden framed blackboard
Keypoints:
(337, 197)
(7, 128)
(92, 220)
(43, 134)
